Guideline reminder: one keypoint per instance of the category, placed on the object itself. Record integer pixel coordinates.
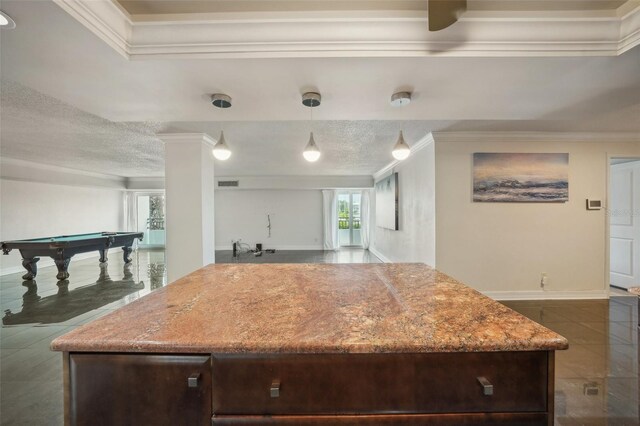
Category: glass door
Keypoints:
(349, 233)
(151, 213)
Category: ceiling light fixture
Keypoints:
(221, 150)
(401, 149)
(311, 152)
(400, 99)
(221, 100)
(6, 23)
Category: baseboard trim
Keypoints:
(47, 261)
(380, 256)
(277, 247)
(547, 295)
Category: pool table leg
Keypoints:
(30, 265)
(63, 265)
(126, 251)
(103, 256)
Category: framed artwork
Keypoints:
(387, 202)
(520, 178)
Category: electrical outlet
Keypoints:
(591, 389)
(544, 280)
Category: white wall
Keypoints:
(502, 248)
(416, 239)
(296, 218)
(35, 209)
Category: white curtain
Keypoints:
(330, 219)
(130, 211)
(365, 206)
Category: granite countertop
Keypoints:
(312, 308)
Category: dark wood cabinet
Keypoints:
(113, 389)
(501, 388)
(380, 383)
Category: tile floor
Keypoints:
(344, 255)
(596, 379)
(35, 312)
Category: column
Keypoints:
(189, 185)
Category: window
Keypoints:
(349, 219)
(151, 219)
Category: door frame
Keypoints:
(607, 230)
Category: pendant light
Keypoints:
(401, 149)
(311, 152)
(221, 150)
(6, 23)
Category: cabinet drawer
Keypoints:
(113, 389)
(379, 383)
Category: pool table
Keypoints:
(62, 248)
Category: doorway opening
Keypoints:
(349, 219)
(624, 223)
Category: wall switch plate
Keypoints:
(594, 204)
(544, 280)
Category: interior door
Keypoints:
(624, 219)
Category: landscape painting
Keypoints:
(510, 177)
(387, 202)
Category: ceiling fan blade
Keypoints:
(443, 13)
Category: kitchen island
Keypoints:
(289, 344)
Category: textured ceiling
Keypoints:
(39, 128)
(275, 148)
(68, 99)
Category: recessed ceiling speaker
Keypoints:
(311, 99)
(400, 99)
(220, 100)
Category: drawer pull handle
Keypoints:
(274, 391)
(193, 380)
(487, 387)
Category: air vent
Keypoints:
(228, 183)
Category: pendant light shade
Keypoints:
(401, 149)
(311, 151)
(221, 150)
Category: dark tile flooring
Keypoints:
(596, 379)
(35, 312)
(344, 255)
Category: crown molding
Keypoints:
(415, 148)
(377, 33)
(105, 18)
(30, 171)
(534, 137)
